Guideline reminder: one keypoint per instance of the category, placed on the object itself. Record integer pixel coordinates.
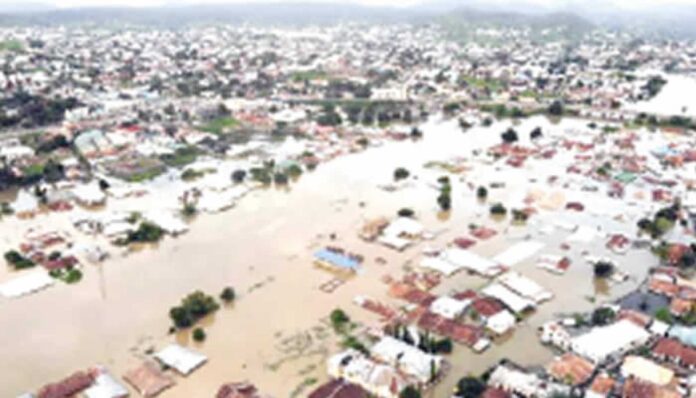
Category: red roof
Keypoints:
(487, 306)
(492, 392)
(465, 334)
(675, 350)
(67, 387)
(339, 389)
(464, 243)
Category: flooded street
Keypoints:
(263, 248)
(677, 97)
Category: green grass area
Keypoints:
(11, 46)
(145, 175)
(220, 125)
(181, 157)
(33, 170)
(491, 84)
(308, 75)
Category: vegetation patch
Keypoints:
(192, 308)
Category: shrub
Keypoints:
(199, 335)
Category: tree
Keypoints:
(603, 316)
(443, 346)
(410, 392)
(498, 209)
(199, 335)
(103, 184)
(445, 201)
(556, 108)
(481, 192)
(416, 133)
(339, 320)
(603, 269)
(280, 178)
(228, 294)
(470, 387)
(238, 176)
(536, 133)
(664, 315)
(401, 174)
(17, 260)
(509, 136)
(406, 212)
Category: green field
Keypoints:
(11, 45)
(220, 125)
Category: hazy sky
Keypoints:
(147, 3)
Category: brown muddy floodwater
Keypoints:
(275, 335)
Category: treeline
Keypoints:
(28, 111)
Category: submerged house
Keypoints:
(334, 260)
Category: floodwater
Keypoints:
(677, 97)
(275, 334)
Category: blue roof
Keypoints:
(336, 259)
(686, 335)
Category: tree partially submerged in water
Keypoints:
(603, 269)
(192, 308)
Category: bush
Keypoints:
(406, 212)
(401, 174)
(18, 261)
(445, 201)
(509, 136)
(354, 343)
(238, 176)
(556, 108)
(146, 233)
(199, 335)
(339, 320)
(410, 392)
(664, 315)
(470, 387)
(536, 133)
(72, 275)
(498, 209)
(228, 295)
(603, 316)
(280, 178)
(294, 170)
(443, 346)
(519, 216)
